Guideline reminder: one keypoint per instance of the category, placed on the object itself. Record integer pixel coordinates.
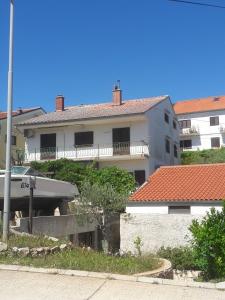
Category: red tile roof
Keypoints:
(102, 110)
(184, 183)
(3, 115)
(200, 105)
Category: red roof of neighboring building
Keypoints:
(200, 105)
(184, 183)
(3, 115)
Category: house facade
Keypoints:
(161, 210)
(18, 140)
(137, 135)
(202, 123)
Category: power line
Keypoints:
(198, 3)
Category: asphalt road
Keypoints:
(36, 286)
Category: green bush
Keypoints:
(209, 244)
(203, 157)
(76, 173)
(182, 258)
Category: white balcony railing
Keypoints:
(88, 152)
(222, 129)
(190, 131)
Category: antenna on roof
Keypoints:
(117, 85)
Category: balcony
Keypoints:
(190, 131)
(104, 152)
(222, 129)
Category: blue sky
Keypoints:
(79, 48)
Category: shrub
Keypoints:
(138, 245)
(76, 173)
(203, 157)
(209, 243)
(182, 258)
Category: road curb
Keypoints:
(206, 285)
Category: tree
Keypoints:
(121, 180)
(209, 243)
(100, 203)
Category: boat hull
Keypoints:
(47, 193)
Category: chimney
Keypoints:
(117, 94)
(59, 103)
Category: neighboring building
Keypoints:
(18, 140)
(162, 209)
(138, 135)
(202, 123)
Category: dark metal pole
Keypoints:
(32, 184)
(31, 209)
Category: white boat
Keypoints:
(48, 193)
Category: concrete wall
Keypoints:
(155, 231)
(57, 226)
(201, 121)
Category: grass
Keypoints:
(77, 258)
(31, 242)
(82, 259)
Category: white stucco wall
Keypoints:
(201, 121)
(155, 231)
(158, 131)
(156, 227)
(146, 208)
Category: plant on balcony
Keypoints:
(193, 130)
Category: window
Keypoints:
(121, 141)
(186, 144)
(179, 209)
(215, 142)
(48, 146)
(139, 176)
(214, 121)
(166, 118)
(167, 146)
(174, 124)
(175, 150)
(185, 124)
(13, 139)
(84, 139)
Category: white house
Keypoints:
(19, 115)
(163, 208)
(138, 135)
(202, 123)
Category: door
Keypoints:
(48, 146)
(121, 141)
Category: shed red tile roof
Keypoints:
(3, 115)
(200, 105)
(102, 110)
(184, 183)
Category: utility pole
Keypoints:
(7, 185)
